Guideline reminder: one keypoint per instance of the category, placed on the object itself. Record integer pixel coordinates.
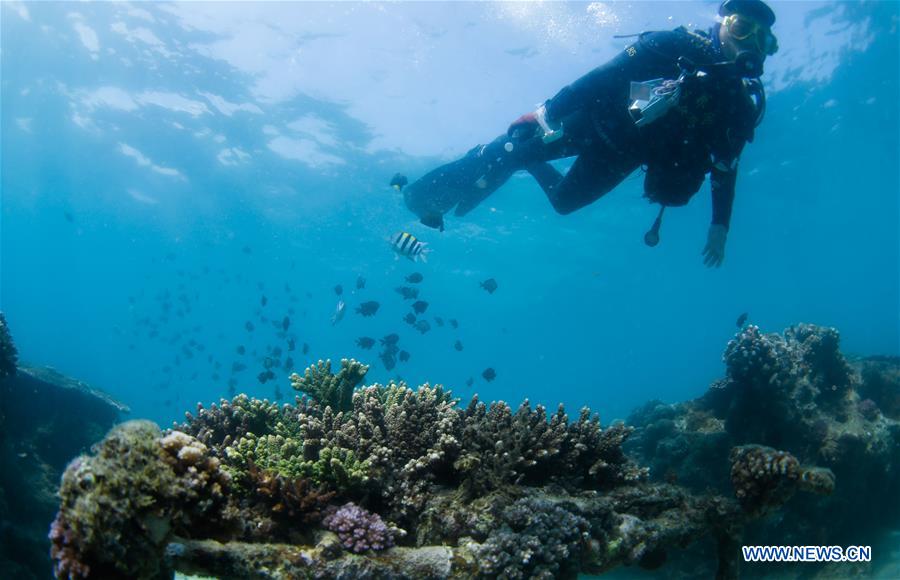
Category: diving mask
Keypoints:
(742, 28)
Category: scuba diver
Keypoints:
(680, 104)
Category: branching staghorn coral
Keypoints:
(502, 448)
(333, 390)
(221, 425)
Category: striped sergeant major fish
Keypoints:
(408, 245)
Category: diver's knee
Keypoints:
(564, 207)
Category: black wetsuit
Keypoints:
(704, 133)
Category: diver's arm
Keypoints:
(654, 57)
(722, 180)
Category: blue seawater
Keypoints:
(165, 166)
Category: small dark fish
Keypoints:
(368, 308)
(415, 278)
(365, 342)
(285, 323)
(422, 326)
(278, 395)
(262, 377)
(392, 338)
(338, 289)
(288, 364)
(489, 374)
(292, 344)
(439, 321)
(419, 306)
(360, 282)
(388, 359)
(263, 300)
(232, 390)
(410, 318)
(241, 349)
(470, 381)
(458, 345)
(490, 285)
(249, 326)
(403, 356)
(237, 367)
(407, 292)
(69, 217)
(276, 351)
(271, 375)
(454, 323)
(247, 250)
(305, 348)
(741, 320)
(268, 362)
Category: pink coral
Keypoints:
(359, 530)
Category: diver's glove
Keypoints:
(714, 252)
(528, 124)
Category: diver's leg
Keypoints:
(590, 178)
(545, 174)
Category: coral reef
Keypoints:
(399, 466)
(333, 390)
(797, 393)
(388, 481)
(8, 352)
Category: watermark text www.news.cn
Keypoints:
(807, 553)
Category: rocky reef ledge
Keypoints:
(46, 418)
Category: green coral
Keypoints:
(275, 453)
(328, 389)
(427, 396)
(282, 453)
(340, 468)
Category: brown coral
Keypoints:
(765, 478)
